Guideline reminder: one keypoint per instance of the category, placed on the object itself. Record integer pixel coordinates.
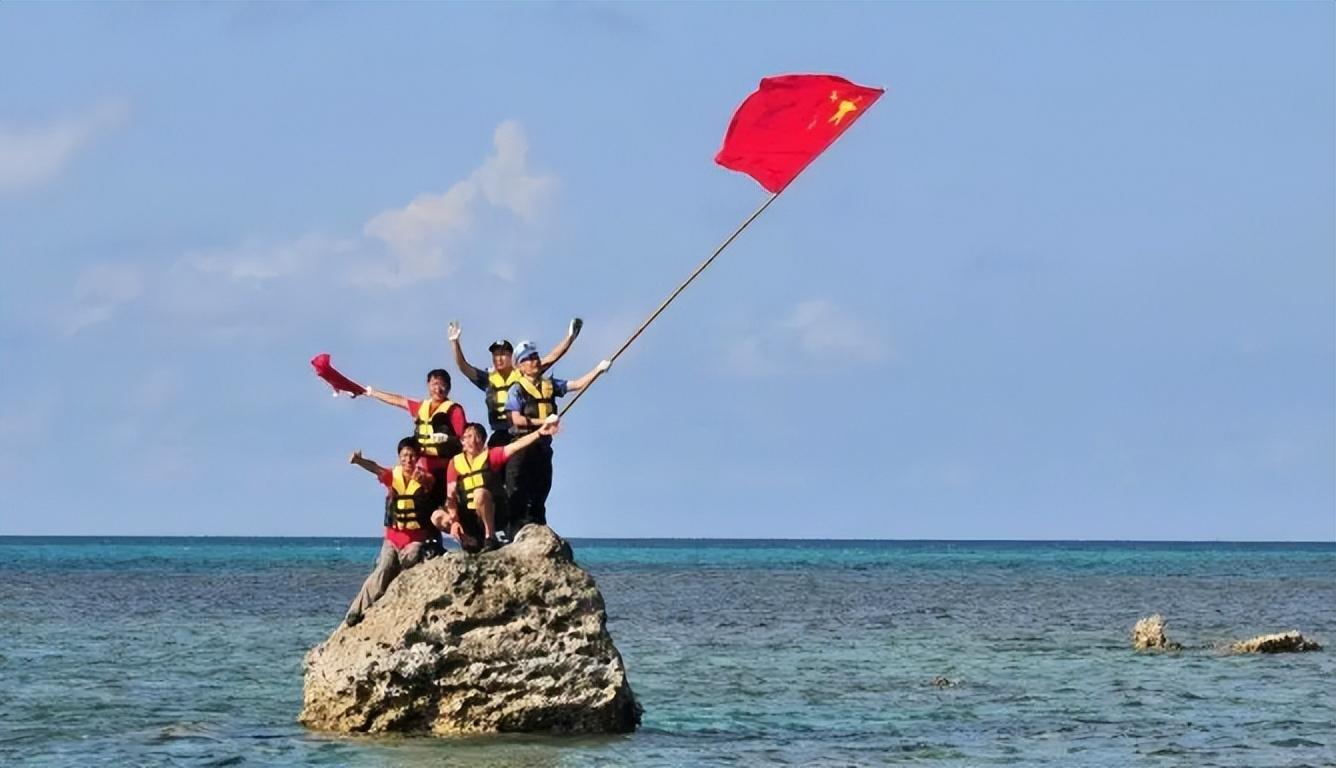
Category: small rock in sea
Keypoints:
(1148, 635)
(1281, 642)
(513, 641)
(944, 682)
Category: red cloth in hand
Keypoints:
(330, 374)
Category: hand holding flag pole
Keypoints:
(776, 133)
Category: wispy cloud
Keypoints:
(241, 289)
(420, 235)
(266, 261)
(815, 329)
(33, 155)
(101, 290)
(825, 330)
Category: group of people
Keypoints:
(452, 477)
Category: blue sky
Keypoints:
(1074, 276)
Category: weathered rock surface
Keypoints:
(1281, 642)
(1148, 635)
(508, 641)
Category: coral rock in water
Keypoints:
(1148, 634)
(507, 641)
(1283, 642)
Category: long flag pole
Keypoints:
(674, 295)
(776, 132)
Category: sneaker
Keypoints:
(352, 619)
(490, 543)
(503, 537)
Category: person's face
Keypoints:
(501, 360)
(530, 366)
(407, 458)
(471, 442)
(437, 388)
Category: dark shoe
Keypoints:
(352, 619)
(490, 544)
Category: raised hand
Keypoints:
(452, 331)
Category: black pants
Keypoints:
(528, 481)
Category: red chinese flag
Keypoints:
(335, 379)
(787, 122)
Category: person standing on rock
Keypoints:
(437, 421)
(409, 532)
(532, 399)
(475, 501)
(496, 381)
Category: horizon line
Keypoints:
(691, 539)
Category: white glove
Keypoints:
(551, 419)
(604, 365)
(576, 325)
(439, 437)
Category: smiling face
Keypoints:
(501, 361)
(473, 439)
(438, 388)
(531, 366)
(408, 457)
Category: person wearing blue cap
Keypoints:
(496, 381)
(532, 402)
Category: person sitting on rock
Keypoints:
(496, 381)
(531, 400)
(475, 498)
(409, 532)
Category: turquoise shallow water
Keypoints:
(188, 652)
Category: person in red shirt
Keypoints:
(438, 422)
(409, 532)
(475, 486)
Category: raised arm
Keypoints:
(469, 371)
(551, 358)
(548, 429)
(366, 464)
(575, 385)
(388, 398)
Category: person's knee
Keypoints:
(410, 555)
(441, 519)
(482, 497)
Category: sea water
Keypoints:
(187, 652)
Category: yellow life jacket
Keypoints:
(430, 420)
(498, 389)
(406, 506)
(537, 401)
(471, 475)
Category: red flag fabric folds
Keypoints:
(338, 381)
(787, 122)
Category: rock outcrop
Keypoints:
(1282, 642)
(508, 641)
(1148, 635)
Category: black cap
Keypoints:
(500, 345)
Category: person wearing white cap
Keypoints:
(497, 380)
(531, 402)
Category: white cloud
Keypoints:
(420, 235)
(243, 290)
(815, 329)
(100, 291)
(824, 330)
(261, 262)
(34, 155)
